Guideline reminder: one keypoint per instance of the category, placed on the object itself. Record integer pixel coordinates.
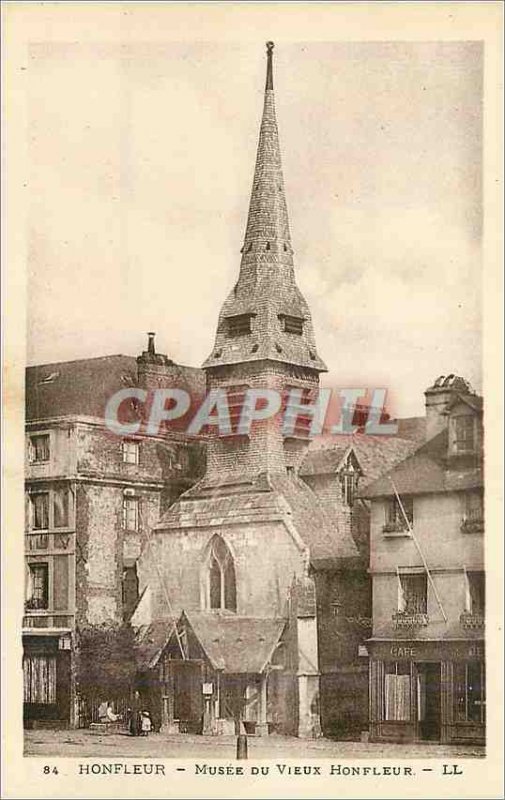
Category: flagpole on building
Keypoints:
(425, 564)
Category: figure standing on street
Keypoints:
(135, 723)
(146, 723)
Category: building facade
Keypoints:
(241, 551)
(272, 581)
(262, 604)
(427, 664)
(91, 496)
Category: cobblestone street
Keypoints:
(84, 744)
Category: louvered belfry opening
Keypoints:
(264, 338)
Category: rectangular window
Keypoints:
(39, 679)
(464, 428)
(475, 593)
(37, 589)
(131, 451)
(473, 513)
(397, 692)
(412, 593)
(396, 513)
(40, 510)
(61, 497)
(39, 448)
(239, 325)
(291, 324)
(131, 513)
(469, 692)
(474, 506)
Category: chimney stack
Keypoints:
(438, 398)
(154, 369)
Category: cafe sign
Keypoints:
(426, 651)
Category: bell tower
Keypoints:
(264, 335)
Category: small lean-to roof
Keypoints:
(427, 471)
(150, 641)
(236, 644)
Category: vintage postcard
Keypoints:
(252, 542)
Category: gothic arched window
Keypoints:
(221, 577)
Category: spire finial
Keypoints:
(270, 80)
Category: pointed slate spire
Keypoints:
(266, 292)
(267, 222)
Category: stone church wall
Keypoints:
(262, 584)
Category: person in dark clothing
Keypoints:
(135, 721)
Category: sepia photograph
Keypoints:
(254, 406)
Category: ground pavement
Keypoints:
(85, 744)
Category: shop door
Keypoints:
(188, 704)
(429, 701)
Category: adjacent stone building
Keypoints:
(90, 498)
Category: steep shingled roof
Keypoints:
(412, 428)
(266, 288)
(376, 454)
(150, 641)
(324, 460)
(80, 387)
(83, 387)
(262, 499)
(232, 644)
(427, 470)
(236, 644)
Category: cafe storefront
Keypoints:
(427, 691)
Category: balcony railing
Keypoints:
(48, 620)
(404, 620)
(472, 622)
(399, 528)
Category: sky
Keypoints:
(141, 160)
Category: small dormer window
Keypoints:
(349, 481)
(464, 434)
(239, 325)
(291, 324)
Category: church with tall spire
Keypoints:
(228, 628)
(266, 317)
